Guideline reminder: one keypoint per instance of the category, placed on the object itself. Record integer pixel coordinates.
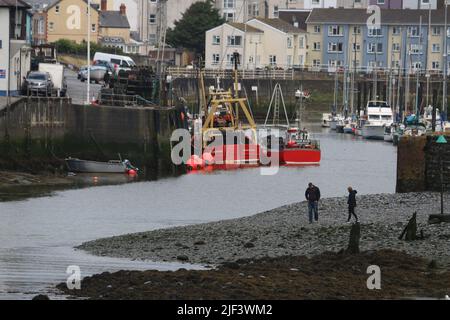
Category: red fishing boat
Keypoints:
(299, 150)
(295, 145)
(226, 132)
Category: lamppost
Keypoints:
(441, 141)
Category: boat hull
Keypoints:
(348, 130)
(388, 138)
(84, 166)
(373, 132)
(300, 156)
(333, 124)
(236, 154)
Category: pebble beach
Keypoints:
(286, 231)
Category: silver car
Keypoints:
(38, 82)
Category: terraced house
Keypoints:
(405, 39)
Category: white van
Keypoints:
(119, 62)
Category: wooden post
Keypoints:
(410, 231)
(355, 235)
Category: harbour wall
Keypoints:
(39, 133)
(419, 164)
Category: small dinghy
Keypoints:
(87, 166)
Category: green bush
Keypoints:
(65, 46)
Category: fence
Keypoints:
(318, 71)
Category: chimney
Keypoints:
(104, 5)
(123, 10)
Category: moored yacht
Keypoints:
(379, 116)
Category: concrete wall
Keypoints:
(40, 133)
(320, 100)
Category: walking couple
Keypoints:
(312, 195)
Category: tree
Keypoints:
(189, 31)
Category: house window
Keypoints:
(356, 47)
(216, 58)
(51, 26)
(41, 26)
(234, 41)
(375, 32)
(301, 44)
(316, 63)
(436, 31)
(1, 44)
(415, 49)
(152, 18)
(230, 59)
(374, 48)
(317, 29)
(229, 4)
(396, 47)
(356, 30)
(93, 27)
(381, 1)
(435, 65)
(436, 47)
(334, 63)
(396, 31)
(152, 38)
(228, 16)
(275, 11)
(289, 42)
(289, 61)
(316, 46)
(57, 9)
(216, 40)
(273, 60)
(335, 47)
(413, 31)
(417, 65)
(335, 31)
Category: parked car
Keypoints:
(119, 62)
(83, 68)
(97, 74)
(108, 65)
(38, 82)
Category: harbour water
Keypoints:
(37, 235)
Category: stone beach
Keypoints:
(286, 231)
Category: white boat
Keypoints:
(326, 119)
(429, 120)
(335, 121)
(379, 115)
(87, 166)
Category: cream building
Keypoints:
(67, 19)
(261, 43)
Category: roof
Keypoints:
(295, 16)
(94, 6)
(279, 24)
(388, 16)
(243, 27)
(14, 3)
(113, 19)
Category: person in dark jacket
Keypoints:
(312, 194)
(352, 204)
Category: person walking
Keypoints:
(352, 204)
(312, 194)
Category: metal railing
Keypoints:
(294, 73)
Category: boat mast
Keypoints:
(418, 69)
(444, 86)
